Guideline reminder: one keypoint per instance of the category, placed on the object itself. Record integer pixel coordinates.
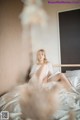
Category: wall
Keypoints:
(14, 59)
(48, 39)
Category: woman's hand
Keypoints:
(45, 80)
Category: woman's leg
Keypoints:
(62, 79)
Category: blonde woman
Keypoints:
(43, 72)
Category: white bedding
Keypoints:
(69, 100)
(74, 77)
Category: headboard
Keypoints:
(64, 69)
(67, 67)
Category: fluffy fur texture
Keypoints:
(33, 13)
(39, 103)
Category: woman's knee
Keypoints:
(61, 75)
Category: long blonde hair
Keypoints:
(45, 59)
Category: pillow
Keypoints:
(74, 77)
(73, 73)
(74, 80)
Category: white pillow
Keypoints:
(73, 73)
(74, 80)
(74, 77)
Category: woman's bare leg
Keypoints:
(62, 79)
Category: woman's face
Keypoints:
(41, 56)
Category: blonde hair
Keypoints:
(45, 59)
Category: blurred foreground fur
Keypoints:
(39, 103)
(36, 102)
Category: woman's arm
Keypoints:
(49, 74)
(37, 71)
(47, 78)
(33, 70)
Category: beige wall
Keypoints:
(49, 38)
(13, 64)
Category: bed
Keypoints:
(70, 101)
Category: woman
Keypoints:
(43, 72)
